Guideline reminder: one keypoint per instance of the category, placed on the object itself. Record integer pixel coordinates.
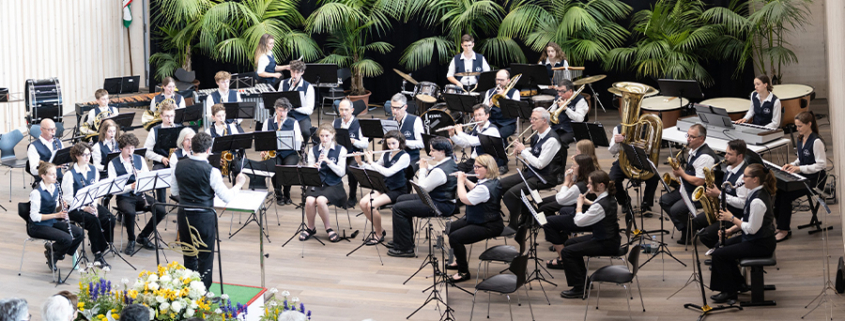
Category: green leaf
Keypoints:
(421, 52)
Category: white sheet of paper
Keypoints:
(245, 200)
(540, 217)
(146, 180)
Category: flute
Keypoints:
(375, 152)
(458, 125)
(467, 175)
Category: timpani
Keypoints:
(665, 107)
(736, 107)
(791, 97)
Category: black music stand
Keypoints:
(242, 80)
(704, 309)
(376, 128)
(269, 99)
(113, 85)
(302, 176)
(138, 151)
(148, 181)
(320, 73)
(375, 182)
(591, 131)
(680, 88)
(240, 110)
(494, 146)
(188, 114)
(532, 75)
(486, 80)
(62, 156)
(122, 85)
(460, 103)
(167, 137)
(123, 120)
(342, 138)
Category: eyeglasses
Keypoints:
(478, 166)
(85, 155)
(691, 136)
(533, 119)
(397, 108)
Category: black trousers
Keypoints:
(161, 194)
(710, 235)
(291, 159)
(505, 132)
(511, 185)
(466, 166)
(566, 138)
(574, 251)
(674, 205)
(128, 205)
(783, 207)
(351, 180)
(64, 243)
(558, 228)
(725, 275)
(618, 177)
(549, 206)
(100, 228)
(462, 233)
(404, 210)
(203, 222)
(305, 128)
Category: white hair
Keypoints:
(292, 315)
(544, 114)
(399, 100)
(57, 308)
(13, 309)
(184, 132)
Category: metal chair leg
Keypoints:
(587, 305)
(20, 269)
(527, 298)
(510, 310)
(628, 291)
(641, 292)
(598, 295)
(473, 304)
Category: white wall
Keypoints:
(81, 42)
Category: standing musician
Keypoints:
(268, 71)
(45, 217)
(222, 128)
(102, 97)
(480, 113)
(765, 108)
(507, 126)
(576, 111)
(440, 184)
(156, 152)
(106, 144)
(542, 157)
(197, 183)
(168, 94)
(391, 165)
(410, 127)
(100, 223)
(811, 163)
(600, 219)
(129, 202)
(184, 143)
(482, 219)
(734, 196)
(692, 176)
(757, 239)
(348, 121)
(221, 95)
(281, 121)
(302, 114)
(619, 177)
(330, 159)
(552, 57)
(44, 148)
(574, 184)
(467, 61)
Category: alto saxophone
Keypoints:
(226, 156)
(272, 154)
(675, 164)
(709, 204)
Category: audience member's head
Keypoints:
(57, 308)
(135, 312)
(14, 309)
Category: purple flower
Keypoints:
(108, 286)
(309, 314)
(90, 289)
(302, 307)
(286, 305)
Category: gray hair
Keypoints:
(57, 308)
(544, 114)
(399, 99)
(13, 309)
(345, 100)
(184, 132)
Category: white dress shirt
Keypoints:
(225, 194)
(430, 179)
(34, 158)
(96, 153)
(576, 115)
(701, 162)
(400, 165)
(614, 146)
(174, 159)
(418, 131)
(297, 134)
(35, 201)
(755, 217)
(488, 95)
(67, 182)
(550, 148)
(593, 215)
(465, 140)
(263, 61)
(92, 113)
(467, 81)
(478, 194)
(224, 98)
(127, 166)
(307, 99)
(181, 104)
(233, 129)
(737, 201)
(361, 142)
(338, 168)
(776, 111)
(150, 144)
(818, 152)
(568, 196)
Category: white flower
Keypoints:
(152, 278)
(97, 264)
(274, 290)
(292, 315)
(273, 303)
(176, 306)
(224, 297)
(194, 305)
(294, 300)
(153, 286)
(285, 293)
(166, 278)
(160, 299)
(189, 313)
(124, 281)
(218, 311)
(106, 269)
(209, 294)
(152, 313)
(164, 306)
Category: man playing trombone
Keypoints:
(481, 114)
(576, 111)
(507, 126)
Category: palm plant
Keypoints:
(769, 23)
(179, 21)
(585, 30)
(350, 25)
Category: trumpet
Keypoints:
(375, 152)
(458, 125)
(269, 155)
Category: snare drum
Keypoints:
(453, 89)
(736, 107)
(437, 117)
(544, 101)
(791, 97)
(428, 92)
(665, 107)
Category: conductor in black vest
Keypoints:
(543, 157)
(439, 183)
(197, 182)
(735, 193)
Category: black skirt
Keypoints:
(336, 195)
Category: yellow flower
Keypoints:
(81, 309)
(80, 305)
(113, 310)
(101, 316)
(115, 316)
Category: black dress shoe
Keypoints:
(574, 293)
(98, 258)
(503, 170)
(708, 262)
(390, 245)
(51, 261)
(146, 243)
(401, 253)
(744, 288)
(723, 297)
(130, 248)
(280, 201)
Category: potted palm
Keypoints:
(769, 22)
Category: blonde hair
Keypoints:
(262, 49)
(104, 127)
(586, 147)
(221, 75)
(490, 164)
(166, 106)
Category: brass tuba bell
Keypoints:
(642, 131)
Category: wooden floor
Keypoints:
(356, 287)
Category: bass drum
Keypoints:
(43, 93)
(428, 92)
(544, 101)
(436, 118)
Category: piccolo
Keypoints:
(375, 152)
(449, 127)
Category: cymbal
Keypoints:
(468, 73)
(406, 77)
(588, 80)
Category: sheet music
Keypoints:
(286, 140)
(686, 199)
(146, 180)
(540, 217)
(250, 171)
(120, 182)
(388, 125)
(245, 200)
(80, 199)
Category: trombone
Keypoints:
(518, 138)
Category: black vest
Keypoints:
(327, 175)
(734, 179)
(479, 150)
(806, 156)
(407, 129)
(120, 171)
(180, 154)
(477, 64)
(176, 97)
(232, 129)
(354, 129)
(690, 170)
(488, 211)
(303, 87)
(286, 125)
(231, 98)
(80, 181)
(44, 154)
(194, 179)
(496, 116)
(271, 68)
(608, 227)
(549, 68)
(396, 181)
(767, 229)
(565, 124)
(446, 192)
(550, 172)
(48, 204)
(763, 113)
(105, 151)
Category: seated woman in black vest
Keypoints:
(758, 235)
(765, 108)
(811, 163)
(440, 186)
(96, 219)
(49, 222)
(106, 144)
(330, 158)
(184, 143)
(222, 127)
(482, 220)
(392, 166)
(600, 219)
(574, 184)
(168, 93)
(281, 121)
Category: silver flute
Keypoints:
(450, 127)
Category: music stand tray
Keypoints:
(290, 175)
(240, 110)
(591, 131)
(460, 102)
(486, 80)
(138, 151)
(190, 113)
(376, 128)
(321, 73)
(532, 75)
(514, 109)
(342, 138)
(269, 99)
(123, 120)
(426, 199)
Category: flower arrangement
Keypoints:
(284, 309)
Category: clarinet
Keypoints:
(135, 172)
(62, 208)
(724, 207)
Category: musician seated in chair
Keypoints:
(129, 202)
(330, 158)
(440, 184)
(96, 219)
(349, 122)
(220, 127)
(599, 218)
(184, 143)
(735, 193)
(691, 176)
(574, 184)
(481, 114)
(106, 144)
(506, 126)
(543, 158)
(576, 111)
(410, 126)
(766, 109)
(44, 148)
(156, 152)
(281, 121)
(49, 220)
(168, 94)
(757, 229)
(302, 114)
(221, 95)
(392, 166)
(619, 177)
(102, 97)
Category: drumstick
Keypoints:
(670, 98)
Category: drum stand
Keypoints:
(596, 101)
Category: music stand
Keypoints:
(494, 146)
(375, 182)
(342, 138)
(302, 176)
(123, 120)
(459, 102)
(376, 128)
(240, 110)
(532, 75)
(98, 190)
(138, 151)
(188, 114)
(592, 131)
(427, 142)
(242, 80)
(486, 80)
(148, 181)
(680, 88)
(130, 84)
(320, 73)
(62, 157)
(269, 99)
(113, 85)
(167, 137)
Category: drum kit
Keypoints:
(429, 94)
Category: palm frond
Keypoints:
(421, 52)
(502, 51)
(367, 68)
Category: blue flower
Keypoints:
(309, 314)
(302, 307)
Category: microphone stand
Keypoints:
(704, 309)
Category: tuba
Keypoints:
(494, 100)
(709, 204)
(644, 132)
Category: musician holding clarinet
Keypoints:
(349, 122)
(330, 159)
(733, 189)
(49, 218)
(392, 166)
(757, 229)
(481, 114)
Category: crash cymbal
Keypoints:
(406, 77)
(468, 74)
(588, 80)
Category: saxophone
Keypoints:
(633, 127)
(271, 154)
(226, 156)
(675, 164)
(709, 204)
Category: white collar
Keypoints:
(602, 195)
(122, 160)
(79, 169)
(768, 97)
(198, 158)
(695, 151)
(440, 162)
(733, 170)
(465, 58)
(44, 187)
(751, 192)
(544, 133)
(481, 181)
(343, 123)
(223, 92)
(331, 146)
(49, 143)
